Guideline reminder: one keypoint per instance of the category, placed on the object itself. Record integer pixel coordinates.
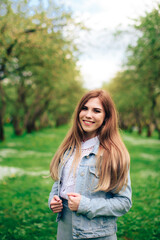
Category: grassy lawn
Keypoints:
(24, 189)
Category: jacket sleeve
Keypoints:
(116, 206)
(53, 192)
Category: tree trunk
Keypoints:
(2, 111)
(30, 127)
(159, 134)
(30, 118)
(61, 120)
(1, 129)
(138, 117)
(16, 123)
(150, 129)
(122, 124)
(44, 120)
(140, 129)
(157, 127)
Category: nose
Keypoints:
(88, 114)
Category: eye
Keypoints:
(97, 110)
(84, 108)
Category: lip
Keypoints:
(87, 122)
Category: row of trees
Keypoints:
(136, 89)
(39, 79)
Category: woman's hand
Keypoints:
(73, 201)
(56, 204)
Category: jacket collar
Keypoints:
(96, 147)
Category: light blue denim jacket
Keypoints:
(98, 211)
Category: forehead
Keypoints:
(94, 102)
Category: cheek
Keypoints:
(101, 120)
(81, 115)
(80, 119)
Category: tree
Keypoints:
(37, 62)
(130, 99)
(136, 89)
(145, 58)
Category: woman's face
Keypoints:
(91, 117)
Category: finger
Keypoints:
(56, 208)
(69, 198)
(57, 211)
(70, 203)
(70, 207)
(56, 203)
(56, 198)
(72, 194)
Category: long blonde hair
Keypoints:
(113, 161)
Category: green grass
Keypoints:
(24, 191)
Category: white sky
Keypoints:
(102, 55)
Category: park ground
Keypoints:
(25, 186)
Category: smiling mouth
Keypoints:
(88, 122)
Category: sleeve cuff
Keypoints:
(84, 205)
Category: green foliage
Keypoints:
(37, 63)
(136, 89)
(24, 193)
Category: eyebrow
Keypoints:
(96, 108)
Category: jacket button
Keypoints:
(87, 156)
(82, 174)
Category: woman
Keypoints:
(91, 172)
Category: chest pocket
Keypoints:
(92, 178)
